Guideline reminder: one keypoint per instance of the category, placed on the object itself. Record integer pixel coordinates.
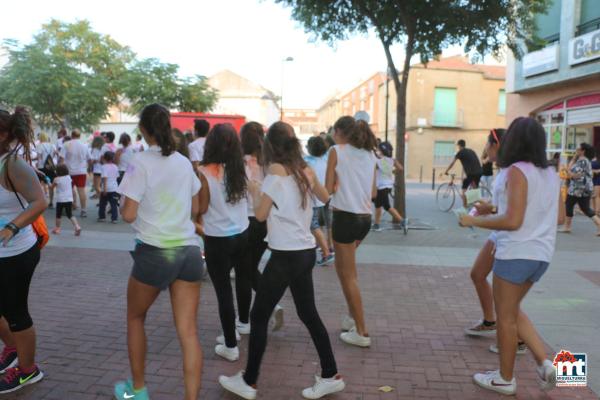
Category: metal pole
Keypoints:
(281, 97)
(421, 174)
(433, 180)
(387, 100)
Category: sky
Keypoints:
(249, 37)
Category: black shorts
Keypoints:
(68, 207)
(349, 227)
(383, 198)
(471, 179)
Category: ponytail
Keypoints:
(18, 127)
(156, 121)
(357, 133)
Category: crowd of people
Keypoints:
(239, 193)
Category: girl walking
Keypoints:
(96, 154)
(64, 199)
(167, 254)
(109, 195)
(285, 203)
(225, 224)
(21, 202)
(527, 193)
(384, 179)
(351, 181)
(124, 155)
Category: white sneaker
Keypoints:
(230, 354)
(276, 320)
(348, 323)
(521, 349)
(547, 375)
(236, 384)
(323, 387)
(492, 380)
(221, 338)
(243, 329)
(354, 338)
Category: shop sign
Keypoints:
(541, 61)
(584, 48)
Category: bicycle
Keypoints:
(447, 192)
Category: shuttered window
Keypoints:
(444, 107)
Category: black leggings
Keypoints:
(249, 275)
(293, 269)
(15, 276)
(223, 253)
(584, 205)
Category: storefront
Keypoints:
(570, 122)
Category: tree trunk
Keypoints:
(401, 86)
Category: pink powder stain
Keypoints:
(214, 170)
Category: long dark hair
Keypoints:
(357, 133)
(18, 127)
(125, 140)
(525, 140)
(223, 147)
(252, 135)
(496, 135)
(283, 147)
(181, 143)
(156, 121)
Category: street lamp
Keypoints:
(287, 59)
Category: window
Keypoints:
(590, 17)
(502, 102)
(443, 152)
(444, 107)
(548, 25)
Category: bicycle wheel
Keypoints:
(445, 197)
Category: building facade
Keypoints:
(364, 98)
(447, 100)
(240, 96)
(328, 113)
(559, 84)
(304, 121)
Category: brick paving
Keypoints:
(416, 317)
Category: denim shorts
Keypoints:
(318, 214)
(518, 271)
(160, 267)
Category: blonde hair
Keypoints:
(43, 137)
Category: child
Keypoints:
(64, 198)
(317, 160)
(110, 174)
(386, 168)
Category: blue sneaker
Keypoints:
(125, 391)
(326, 261)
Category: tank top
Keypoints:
(385, 173)
(10, 208)
(126, 156)
(355, 171)
(535, 239)
(222, 219)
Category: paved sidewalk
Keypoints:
(416, 316)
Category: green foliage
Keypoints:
(70, 75)
(149, 81)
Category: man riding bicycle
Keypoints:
(471, 165)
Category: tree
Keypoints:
(68, 75)
(424, 28)
(150, 81)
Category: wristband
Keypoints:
(13, 228)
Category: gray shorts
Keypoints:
(518, 271)
(159, 267)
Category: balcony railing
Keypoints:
(442, 119)
(588, 27)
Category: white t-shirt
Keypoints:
(288, 224)
(535, 239)
(64, 189)
(163, 187)
(319, 165)
(44, 150)
(385, 173)
(111, 173)
(222, 219)
(95, 155)
(254, 172)
(196, 149)
(108, 147)
(75, 153)
(126, 156)
(355, 173)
